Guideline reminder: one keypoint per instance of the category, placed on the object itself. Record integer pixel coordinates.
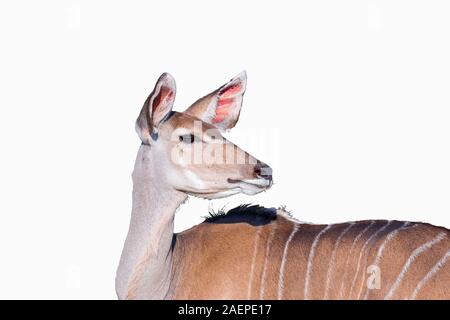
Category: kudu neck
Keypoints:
(144, 270)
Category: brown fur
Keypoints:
(214, 260)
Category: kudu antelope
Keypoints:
(253, 252)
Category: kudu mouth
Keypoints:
(262, 183)
(262, 177)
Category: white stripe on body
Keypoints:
(420, 250)
(388, 239)
(283, 261)
(361, 253)
(333, 257)
(341, 291)
(312, 252)
(252, 268)
(438, 266)
(266, 260)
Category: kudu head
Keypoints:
(187, 151)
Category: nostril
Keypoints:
(266, 172)
(263, 170)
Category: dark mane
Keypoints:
(252, 214)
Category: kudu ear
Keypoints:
(156, 108)
(222, 107)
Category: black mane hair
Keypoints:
(252, 214)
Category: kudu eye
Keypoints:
(187, 138)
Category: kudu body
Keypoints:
(253, 252)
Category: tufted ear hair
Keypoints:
(221, 107)
(156, 108)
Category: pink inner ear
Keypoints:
(219, 118)
(231, 91)
(165, 94)
(223, 102)
(223, 109)
(227, 102)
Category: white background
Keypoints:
(348, 101)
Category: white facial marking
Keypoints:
(257, 182)
(195, 180)
(180, 131)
